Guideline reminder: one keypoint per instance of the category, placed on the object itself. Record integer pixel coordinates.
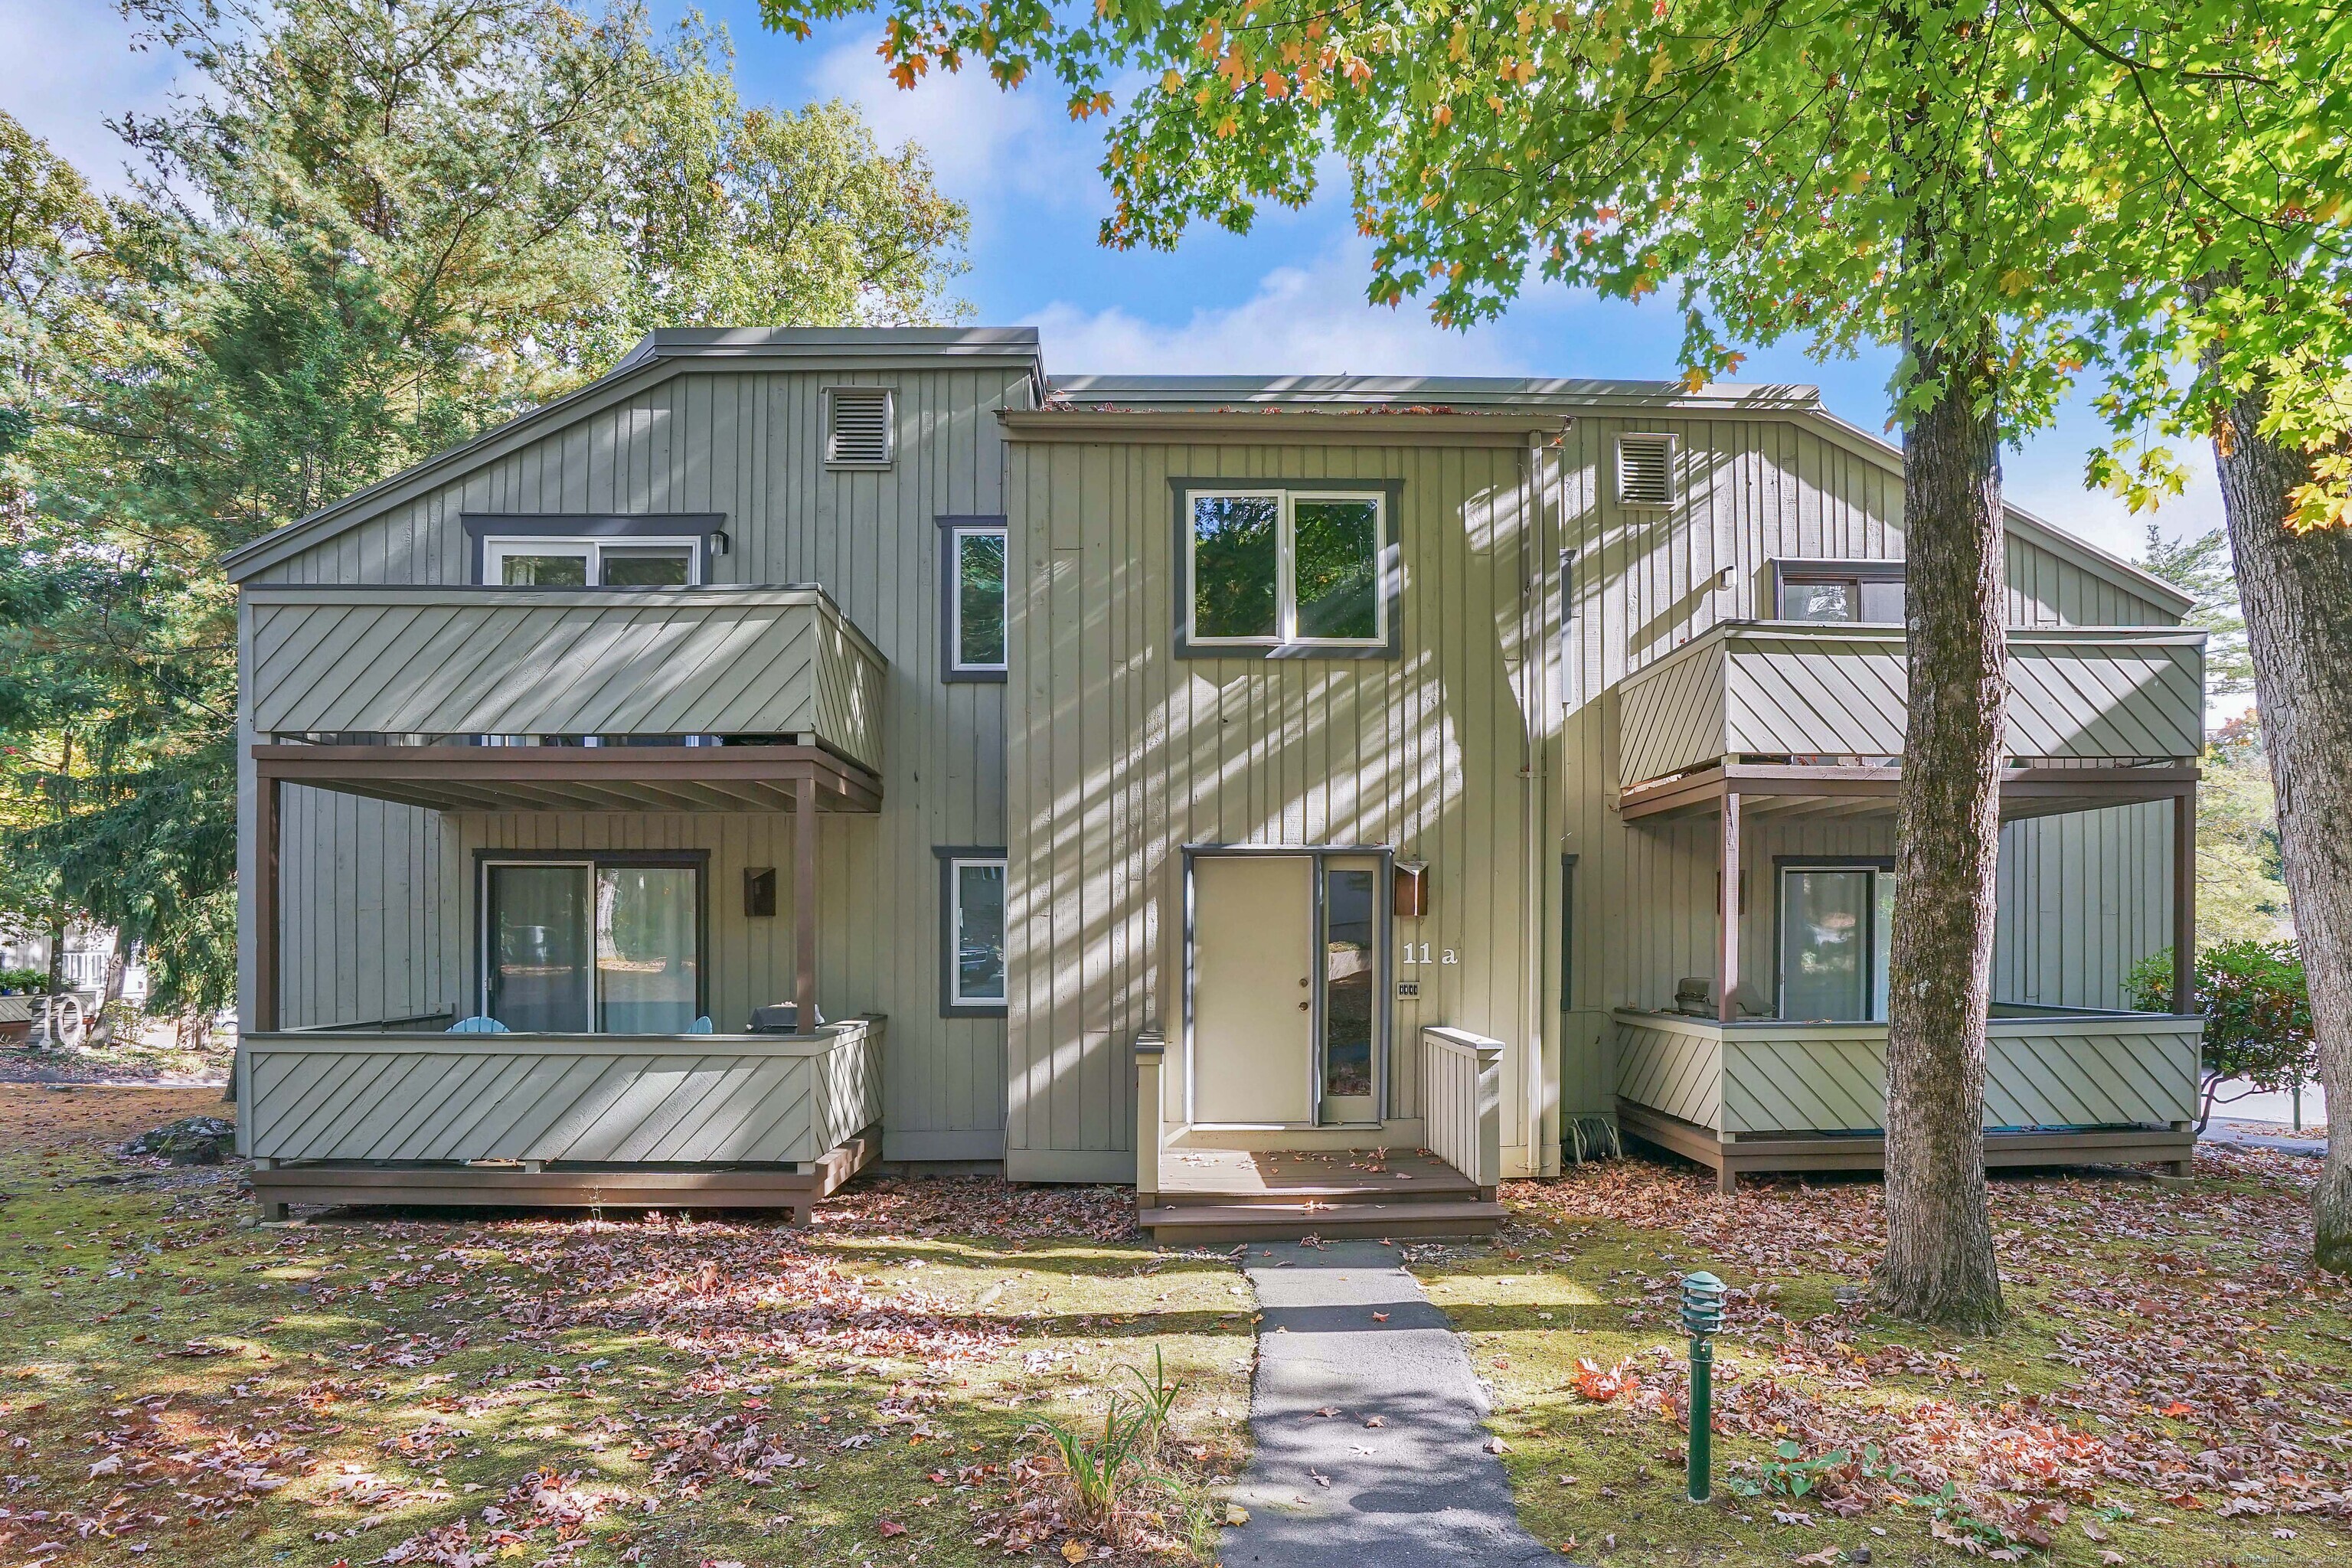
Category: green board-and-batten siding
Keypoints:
(1121, 756)
(747, 444)
(1109, 731)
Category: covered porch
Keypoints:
(628, 784)
(2063, 1087)
(1775, 753)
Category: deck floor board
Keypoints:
(1291, 1175)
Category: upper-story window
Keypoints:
(1275, 570)
(634, 562)
(972, 619)
(1861, 593)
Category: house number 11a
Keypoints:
(1418, 953)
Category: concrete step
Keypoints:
(1192, 1224)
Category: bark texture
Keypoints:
(2296, 591)
(1940, 1265)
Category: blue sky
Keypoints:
(1287, 296)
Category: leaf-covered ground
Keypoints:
(147, 1050)
(2175, 1389)
(177, 1387)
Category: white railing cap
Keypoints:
(1462, 1040)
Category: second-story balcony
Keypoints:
(1835, 695)
(474, 665)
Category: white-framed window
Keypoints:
(975, 626)
(618, 562)
(1645, 470)
(860, 431)
(973, 924)
(1285, 567)
(1864, 593)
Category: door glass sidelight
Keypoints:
(1351, 991)
(1826, 915)
(647, 960)
(538, 948)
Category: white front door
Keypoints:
(1252, 989)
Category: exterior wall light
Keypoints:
(1702, 1320)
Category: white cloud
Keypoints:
(2046, 478)
(999, 151)
(67, 66)
(1308, 319)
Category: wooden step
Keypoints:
(1193, 1223)
(1453, 1189)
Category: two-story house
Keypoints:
(799, 747)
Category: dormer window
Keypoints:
(859, 430)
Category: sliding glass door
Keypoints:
(1833, 941)
(540, 976)
(647, 962)
(583, 946)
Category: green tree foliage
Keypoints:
(2200, 567)
(2240, 885)
(1768, 158)
(370, 230)
(2242, 894)
(2257, 1011)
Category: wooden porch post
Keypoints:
(2184, 900)
(804, 904)
(1727, 965)
(267, 937)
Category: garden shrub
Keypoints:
(2257, 1010)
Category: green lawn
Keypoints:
(182, 1389)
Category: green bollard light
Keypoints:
(1702, 1318)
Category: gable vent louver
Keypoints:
(1645, 470)
(860, 426)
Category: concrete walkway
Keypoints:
(1418, 1491)
(2266, 1135)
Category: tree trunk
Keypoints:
(109, 992)
(56, 982)
(2296, 590)
(1939, 1266)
